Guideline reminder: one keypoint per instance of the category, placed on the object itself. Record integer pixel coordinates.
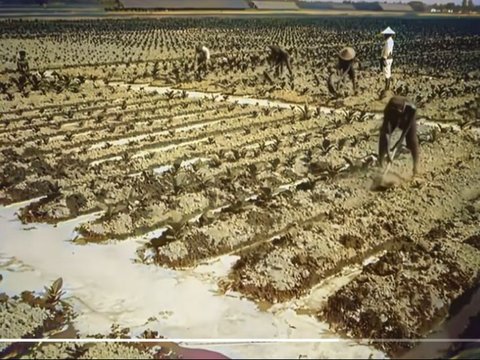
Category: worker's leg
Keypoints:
(412, 139)
(277, 69)
(387, 70)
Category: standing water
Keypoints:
(106, 287)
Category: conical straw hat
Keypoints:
(347, 54)
(388, 31)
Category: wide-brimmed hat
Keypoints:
(388, 31)
(347, 54)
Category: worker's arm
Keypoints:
(384, 50)
(360, 64)
(331, 84)
(352, 75)
(289, 65)
(272, 59)
(388, 134)
(206, 54)
(384, 140)
(409, 119)
(195, 62)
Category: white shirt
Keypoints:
(388, 48)
(206, 52)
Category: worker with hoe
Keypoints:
(22, 63)
(279, 58)
(345, 66)
(399, 113)
(386, 59)
(202, 60)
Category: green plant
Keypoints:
(54, 293)
(349, 116)
(305, 113)
(364, 116)
(170, 94)
(326, 146)
(232, 106)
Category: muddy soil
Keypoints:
(402, 295)
(33, 315)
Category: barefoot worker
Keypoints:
(400, 113)
(202, 59)
(387, 56)
(346, 59)
(278, 58)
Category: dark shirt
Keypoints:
(396, 112)
(346, 67)
(22, 65)
(278, 54)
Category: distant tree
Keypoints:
(418, 6)
(450, 6)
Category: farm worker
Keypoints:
(387, 56)
(399, 113)
(22, 63)
(346, 58)
(202, 58)
(278, 58)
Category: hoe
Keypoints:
(380, 182)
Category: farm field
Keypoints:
(117, 160)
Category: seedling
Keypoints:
(54, 293)
(305, 113)
(326, 146)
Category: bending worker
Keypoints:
(202, 59)
(387, 56)
(346, 58)
(279, 58)
(400, 113)
(22, 63)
